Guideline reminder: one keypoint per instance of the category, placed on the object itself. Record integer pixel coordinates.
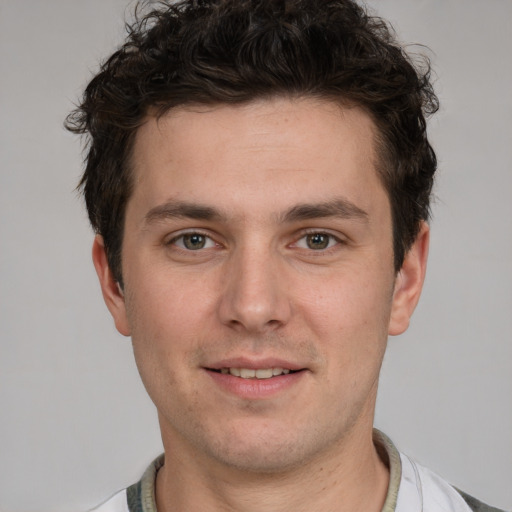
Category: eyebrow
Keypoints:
(181, 210)
(340, 207)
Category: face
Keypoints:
(259, 287)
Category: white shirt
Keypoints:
(412, 488)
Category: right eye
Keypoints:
(193, 241)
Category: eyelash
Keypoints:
(173, 241)
(332, 238)
(330, 246)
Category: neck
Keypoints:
(350, 478)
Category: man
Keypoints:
(258, 176)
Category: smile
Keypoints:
(249, 380)
(251, 373)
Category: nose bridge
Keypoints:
(253, 297)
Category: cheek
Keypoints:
(161, 345)
(163, 294)
(168, 315)
(349, 317)
(348, 300)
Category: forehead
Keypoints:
(292, 149)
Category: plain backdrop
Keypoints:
(75, 422)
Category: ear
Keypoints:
(409, 282)
(112, 292)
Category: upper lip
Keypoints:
(255, 364)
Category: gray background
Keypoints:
(75, 422)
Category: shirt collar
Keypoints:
(141, 496)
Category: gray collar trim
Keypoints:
(141, 496)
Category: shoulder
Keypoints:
(117, 503)
(476, 505)
(434, 493)
(414, 488)
(139, 497)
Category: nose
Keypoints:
(254, 295)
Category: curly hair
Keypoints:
(236, 51)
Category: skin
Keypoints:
(310, 287)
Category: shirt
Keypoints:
(412, 488)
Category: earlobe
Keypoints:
(409, 282)
(110, 288)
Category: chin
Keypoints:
(264, 450)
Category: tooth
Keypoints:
(261, 373)
(264, 374)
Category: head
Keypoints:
(258, 175)
(227, 52)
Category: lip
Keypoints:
(255, 364)
(255, 389)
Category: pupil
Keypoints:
(318, 241)
(194, 241)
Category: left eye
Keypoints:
(193, 241)
(317, 241)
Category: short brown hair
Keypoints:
(235, 51)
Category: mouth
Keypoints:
(256, 380)
(253, 373)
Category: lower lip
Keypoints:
(255, 389)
